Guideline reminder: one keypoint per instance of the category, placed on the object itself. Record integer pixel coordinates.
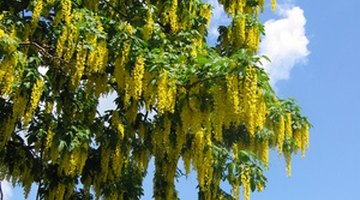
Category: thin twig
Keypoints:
(42, 50)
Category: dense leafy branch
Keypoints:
(176, 98)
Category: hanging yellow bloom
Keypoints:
(287, 156)
(173, 16)
(205, 12)
(149, 26)
(239, 31)
(280, 131)
(304, 139)
(245, 180)
(261, 110)
(117, 124)
(265, 152)
(35, 98)
(117, 161)
(60, 43)
(36, 13)
(233, 91)
(149, 90)
(71, 41)
(253, 38)
(101, 57)
(166, 94)
(249, 97)
(2, 33)
(79, 66)
(137, 76)
(288, 131)
(49, 139)
(273, 5)
(217, 119)
(66, 10)
(121, 60)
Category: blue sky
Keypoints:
(323, 75)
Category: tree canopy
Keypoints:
(176, 98)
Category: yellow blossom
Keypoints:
(288, 129)
(173, 16)
(245, 181)
(60, 43)
(137, 76)
(205, 12)
(287, 156)
(149, 26)
(66, 10)
(165, 94)
(35, 98)
(36, 13)
(280, 131)
(273, 5)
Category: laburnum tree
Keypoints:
(177, 98)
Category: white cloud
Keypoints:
(6, 189)
(285, 42)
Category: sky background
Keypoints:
(314, 50)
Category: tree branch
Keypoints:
(42, 50)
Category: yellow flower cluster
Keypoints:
(263, 152)
(49, 141)
(66, 10)
(72, 39)
(217, 118)
(7, 73)
(233, 7)
(2, 33)
(117, 124)
(35, 98)
(166, 93)
(149, 26)
(245, 181)
(262, 110)
(117, 162)
(287, 156)
(97, 58)
(121, 60)
(249, 98)
(60, 43)
(138, 75)
(239, 31)
(198, 147)
(36, 13)
(304, 139)
(205, 12)
(288, 129)
(174, 24)
(7, 129)
(232, 84)
(149, 90)
(280, 134)
(81, 54)
(253, 38)
(273, 5)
